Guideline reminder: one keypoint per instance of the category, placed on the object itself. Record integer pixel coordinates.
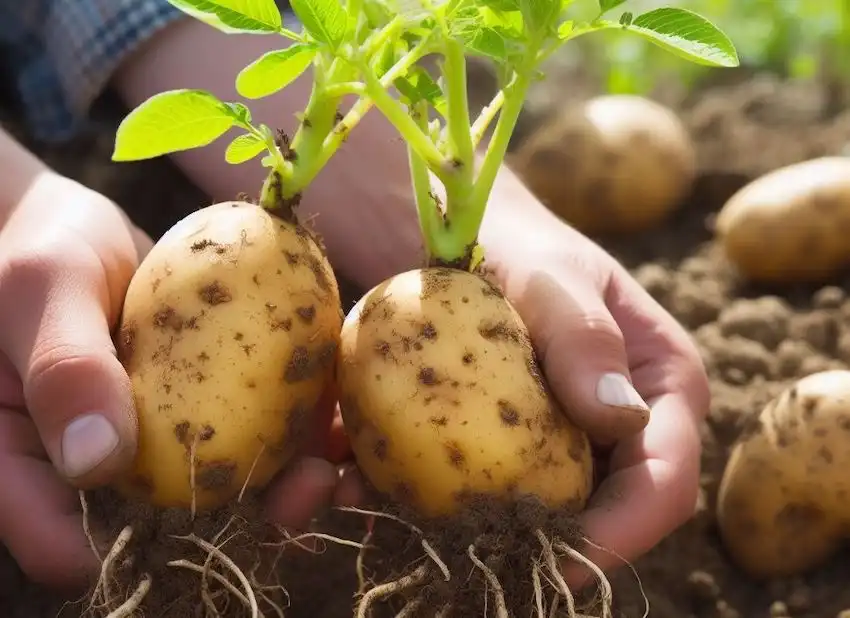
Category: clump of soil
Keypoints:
(171, 563)
(499, 554)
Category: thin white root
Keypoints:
(384, 590)
(251, 471)
(129, 607)
(426, 546)
(360, 565)
(493, 581)
(193, 457)
(84, 505)
(103, 587)
(555, 573)
(538, 591)
(604, 584)
(227, 562)
(221, 579)
(631, 568)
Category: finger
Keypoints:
(652, 491)
(584, 358)
(350, 490)
(76, 391)
(303, 490)
(338, 448)
(39, 520)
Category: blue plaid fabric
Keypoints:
(58, 55)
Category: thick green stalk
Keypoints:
(430, 216)
(467, 208)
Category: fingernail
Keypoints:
(615, 389)
(87, 441)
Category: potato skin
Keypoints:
(441, 397)
(615, 165)
(229, 333)
(790, 224)
(782, 506)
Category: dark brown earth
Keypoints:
(754, 340)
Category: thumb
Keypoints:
(76, 390)
(584, 358)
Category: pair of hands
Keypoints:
(66, 257)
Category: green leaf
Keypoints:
(274, 70)
(540, 15)
(325, 20)
(686, 34)
(607, 5)
(418, 85)
(244, 148)
(169, 122)
(234, 16)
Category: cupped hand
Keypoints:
(67, 419)
(628, 374)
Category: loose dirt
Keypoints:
(754, 341)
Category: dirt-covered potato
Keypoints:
(616, 164)
(229, 334)
(442, 399)
(790, 225)
(783, 503)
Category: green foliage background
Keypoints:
(795, 38)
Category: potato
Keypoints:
(783, 502)
(789, 225)
(442, 398)
(229, 334)
(616, 164)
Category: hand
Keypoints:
(597, 330)
(67, 418)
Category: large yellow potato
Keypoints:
(791, 224)
(616, 164)
(783, 504)
(442, 398)
(229, 335)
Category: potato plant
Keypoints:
(449, 414)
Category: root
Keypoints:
(426, 546)
(84, 505)
(631, 568)
(604, 584)
(498, 592)
(213, 551)
(555, 572)
(398, 586)
(129, 607)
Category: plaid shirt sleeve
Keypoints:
(59, 55)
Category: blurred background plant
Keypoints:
(802, 39)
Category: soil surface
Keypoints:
(755, 341)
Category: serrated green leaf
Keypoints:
(169, 122)
(607, 5)
(244, 148)
(686, 34)
(539, 15)
(418, 85)
(274, 70)
(325, 20)
(234, 16)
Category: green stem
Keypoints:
(497, 149)
(430, 216)
(467, 208)
(395, 113)
(485, 118)
(309, 168)
(457, 123)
